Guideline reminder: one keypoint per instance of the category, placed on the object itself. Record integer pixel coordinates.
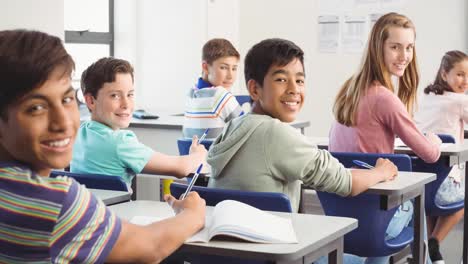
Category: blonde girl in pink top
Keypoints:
(370, 112)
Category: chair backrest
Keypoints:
(442, 169)
(368, 240)
(183, 144)
(242, 99)
(95, 181)
(269, 201)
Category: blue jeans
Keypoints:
(400, 220)
(347, 259)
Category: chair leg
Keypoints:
(134, 188)
(401, 257)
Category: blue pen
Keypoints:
(203, 136)
(363, 164)
(194, 179)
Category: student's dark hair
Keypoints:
(27, 59)
(217, 48)
(270, 52)
(103, 71)
(448, 62)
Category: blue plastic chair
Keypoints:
(94, 181)
(268, 201)
(242, 99)
(183, 144)
(368, 240)
(442, 169)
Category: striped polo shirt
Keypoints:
(52, 220)
(209, 107)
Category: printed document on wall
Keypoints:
(329, 32)
(354, 34)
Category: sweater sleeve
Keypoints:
(291, 156)
(393, 114)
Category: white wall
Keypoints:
(44, 15)
(440, 27)
(165, 38)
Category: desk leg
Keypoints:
(465, 222)
(418, 244)
(336, 256)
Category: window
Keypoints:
(89, 32)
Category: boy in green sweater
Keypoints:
(259, 152)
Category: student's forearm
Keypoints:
(178, 166)
(153, 243)
(363, 179)
(172, 233)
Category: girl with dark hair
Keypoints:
(444, 110)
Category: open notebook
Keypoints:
(236, 219)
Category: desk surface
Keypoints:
(403, 183)
(171, 121)
(111, 197)
(313, 232)
(457, 153)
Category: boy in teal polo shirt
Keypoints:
(102, 146)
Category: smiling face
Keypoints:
(282, 93)
(398, 50)
(222, 72)
(457, 77)
(40, 128)
(114, 103)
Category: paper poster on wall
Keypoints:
(328, 33)
(354, 34)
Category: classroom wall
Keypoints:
(44, 15)
(440, 27)
(163, 39)
(169, 34)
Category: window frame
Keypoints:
(92, 37)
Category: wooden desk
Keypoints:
(111, 197)
(318, 236)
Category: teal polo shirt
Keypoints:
(100, 149)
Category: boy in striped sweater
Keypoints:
(45, 220)
(210, 104)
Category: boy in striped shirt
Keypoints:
(45, 220)
(210, 104)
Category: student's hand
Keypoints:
(196, 148)
(192, 204)
(434, 138)
(198, 155)
(386, 169)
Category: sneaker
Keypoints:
(434, 252)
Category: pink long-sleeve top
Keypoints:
(380, 117)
